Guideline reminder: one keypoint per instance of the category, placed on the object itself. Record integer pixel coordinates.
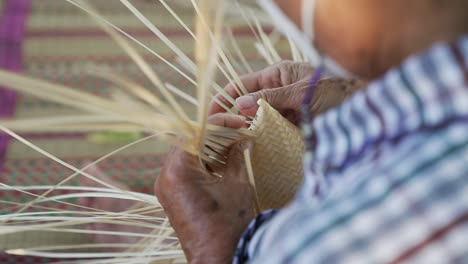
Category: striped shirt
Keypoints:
(388, 178)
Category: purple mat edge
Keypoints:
(12, 33)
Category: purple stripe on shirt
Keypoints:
(12, 28)
(444, 95)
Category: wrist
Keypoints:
(214, 255)
(212, 260)
(214, 249)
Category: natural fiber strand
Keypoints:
(274, 166)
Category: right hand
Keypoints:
(208, 213)
(283, 86)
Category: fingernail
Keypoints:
(246, 102)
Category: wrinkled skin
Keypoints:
(283, 86)
(209, 214)
(365, 37)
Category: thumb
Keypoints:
(236, 168)
(227, 120)
(283, 98)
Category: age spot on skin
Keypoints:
(214, 206)
(242, 213)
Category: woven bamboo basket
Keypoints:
(277, 157)
(277, 165)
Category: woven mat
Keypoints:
(58, 39)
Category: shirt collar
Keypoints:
(426, 92)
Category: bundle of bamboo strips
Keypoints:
(276, 161)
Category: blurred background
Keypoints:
(53, 40)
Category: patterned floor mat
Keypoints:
(52, 40)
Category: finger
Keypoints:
(180, 165)
(275, 76)
(278, 75)
(227, 120)
(250, 83)
(236, 169)
(177, 157)
(284, 98)
(332, 92)
(178, 170)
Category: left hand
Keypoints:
(209, 214)
(283, 86)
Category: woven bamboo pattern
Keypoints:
(277, 157)
(57, 49)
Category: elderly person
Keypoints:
(387, 182)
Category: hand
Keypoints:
(209, 214)
(283, 86)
